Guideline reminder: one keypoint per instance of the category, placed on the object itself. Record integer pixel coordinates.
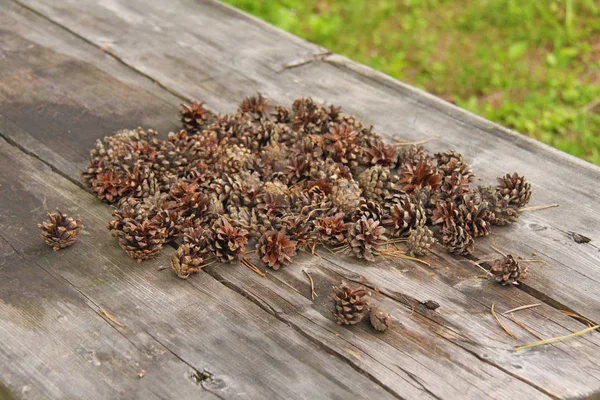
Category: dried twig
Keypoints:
(398, 254)
(500, 323)
(537, 208)
(522, 308)
(313, 294)
(498, 251)
(403, 143)
(252, 267)
(557, 339)
(487, 272)
(522, 325)
(110, 317)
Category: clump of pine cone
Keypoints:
(285, 180)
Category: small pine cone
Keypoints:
(403, 214)
(366, 238)
(228, 241)
(379, 153)
(411, 154)
(419, 241)
(350, 306)
(142, 240)
(475, 216)
(276, 249)
(194, 117)
(300, 229)
(186, 261)
(370, 210)
(378, 183)
(451, 162)
(342, 144)
(507, 270)
(515, 189)
(345, 195)
(453, 186)
(258, 107)
(109, 186)
(458, 241)
(504, 212)
(276, 188)
(332, 230)
(423, 175)
(59, 230)
(233, 159)
(380, 320)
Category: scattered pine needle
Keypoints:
(313, 294)
(403, 143)
(329, 250)
(577, 316)
(252, 267)
(398, 254)
(521, 308)
(557, 339)
(537, 208)
(110, 317)
(522, 325)
(487, 272)
(500, 323)
(498, 251)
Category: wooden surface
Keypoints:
(75, 71)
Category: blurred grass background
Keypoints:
(531, 65)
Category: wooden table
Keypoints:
(73, 71)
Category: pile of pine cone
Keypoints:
(286, 180)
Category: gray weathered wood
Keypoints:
(223, 61)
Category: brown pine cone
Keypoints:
(419, 241)
(369, 209)
(342, 144)
(332, 230)
(423, 175)
(350, 306)
(457, 240)
(276, 249)
(345, 195)
(142, 239)
(258, 107)
(195, 116)
(366, 238)
(378, 153)
(474, 216)
(186, 260)
(380, 320)
(228, 241)
(515, 189)
(507, 270)
(59, 230)
(378, 183)
(402, 215)
(504, 212)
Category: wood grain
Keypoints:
(457, 351)
(221, 62)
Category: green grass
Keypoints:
(531, 65)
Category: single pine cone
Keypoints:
(378, 183)
(419, 241)
(194, 116)
(370, 210)
(380, 320)
(504, 212)
(378, 153)
(403, 214)
(228, 241)
(59, 230)
(515, 189)
(475, 216)
(350, 306)
(423, 175)
(366, 238)
(332, 230)
(345, 195)
(457, 240)
(507, 270)
(186, 261)
(142, 240)
(276, 249)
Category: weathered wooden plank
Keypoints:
(56, 342)
(273, 295)
(223, 61)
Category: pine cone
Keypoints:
(370, 210)
(380, 320)
(276, 249)
(515, 189)
(258, 107)
(423, 175)
(402, 215)
(228, 241)
(59, 230)
(457, 240)
(194, 116)
(366, 238)
(419, 241)
(378, 183)
(378, 153)
(474, 216)
(342, 144)
(109, 186)
(504, 212)
(345, 195)
(450, 162)
(186, 261)
(332, 230)
(142, 240)
(350, 306)
(507, 270)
